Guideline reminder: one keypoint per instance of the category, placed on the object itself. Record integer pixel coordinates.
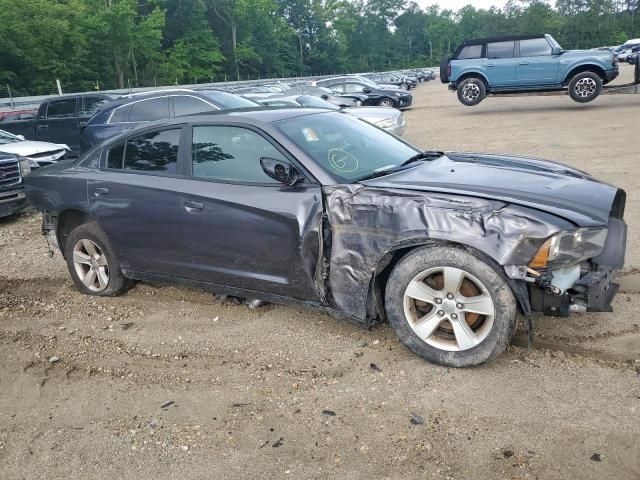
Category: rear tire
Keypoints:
(447, 325)
(471, 91)
(93, 265)
(585, 87)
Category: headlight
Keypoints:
(398, 94)
(358, 103)
(25, 166)
(386, 123)
(569, 248)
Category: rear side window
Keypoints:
(185, 105)
(500, 49)
(471, 51)
(536, 47)
(153, 152)
(115, 156)
(120, 115)
(92, 104)
(62, 108)
(150, 110)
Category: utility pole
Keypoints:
(59, 86)
(10, 97)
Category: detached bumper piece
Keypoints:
(594, 292)
(597, 289)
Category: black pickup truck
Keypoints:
(60, 119)
(12, 172)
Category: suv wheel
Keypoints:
(93, 265)
(585, 87)
(471, 91)
(386, 102)
(450, 307)
(404, 86)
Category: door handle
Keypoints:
(43, 126)
(524, 63)
(193, 207)
(490, 65)
(101, 192)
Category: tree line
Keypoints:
(102, 44)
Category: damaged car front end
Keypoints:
(330, 212)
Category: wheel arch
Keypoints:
(585, 67)
(67, 221)
(473, 74)
(386, 264)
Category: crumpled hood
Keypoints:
(549, 186)
(31, 147)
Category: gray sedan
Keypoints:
(390, 119)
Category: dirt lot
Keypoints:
(280, 392)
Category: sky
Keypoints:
(458, 4)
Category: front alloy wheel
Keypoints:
(585, 87)
(386, 102)
(449, 306)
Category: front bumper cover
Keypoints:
(12, 202)
(611, 75)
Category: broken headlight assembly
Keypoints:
(25, 166)
(570, 248)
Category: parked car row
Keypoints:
(71, 125)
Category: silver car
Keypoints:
(389, 119)
(39, 154)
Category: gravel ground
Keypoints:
(167, 382)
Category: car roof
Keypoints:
(503, 38)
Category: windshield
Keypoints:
(553, 41)
(229, 100)
(315, 102)
(6, 137)
(347, 148)
(368, 83)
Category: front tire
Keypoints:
(92, 263)
(450, 307)
(585, 87)
(471, 91)
(386, 102)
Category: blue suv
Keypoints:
(517, 64)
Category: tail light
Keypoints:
(448, 70)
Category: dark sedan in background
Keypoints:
(318, 208)
(130, 111)
(376, 95)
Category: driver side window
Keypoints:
(231, 154)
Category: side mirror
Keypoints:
(557, 51)
(366, 90)
(324, 97)
(20, 137)
(280, 170)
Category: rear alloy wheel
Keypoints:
(471, 91)
(585, 87)
(386, 102)
(92, 263)
(449, 307)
